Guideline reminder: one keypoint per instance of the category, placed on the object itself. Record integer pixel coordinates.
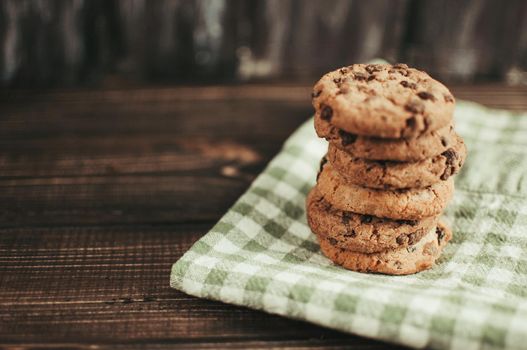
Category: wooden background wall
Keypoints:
(93, 42)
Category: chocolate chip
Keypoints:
(440, 234)
(414, 107)
(360, 76)
(411, 249)
(371, 77)
(400, 66)
(404, 72)
(411, 238)
(326, 113)
(346, 217)
(401, 239)
(365, 219)
(450, 156)
(371, 68)
(351, 233)
(343, 70)
(410, 122)
(426, 95)
(448, 98)
(315, 94)
(332, 241)
(444, 141)
(347, 138)
(410, 108)
(408, 84)
(337, 81)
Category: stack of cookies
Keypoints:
(387, 175)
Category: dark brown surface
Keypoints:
(101, 191)
(63, 42)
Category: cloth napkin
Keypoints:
(262, 254)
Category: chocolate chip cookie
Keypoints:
(362, 233)
(402, 261)
(383, 100)
(409, 204)
(382, 174)
(425, 146)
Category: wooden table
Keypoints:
(102, 190)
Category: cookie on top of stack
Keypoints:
(387, 175)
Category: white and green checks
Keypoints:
(262, 255)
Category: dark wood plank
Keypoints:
(53, 42)
(138, 156)
(109, 285)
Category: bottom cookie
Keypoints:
(403, 261)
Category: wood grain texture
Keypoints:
(72, 42)
(102, 190)
(106, 285)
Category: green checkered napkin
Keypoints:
(262, 254)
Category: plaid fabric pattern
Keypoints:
(262, 254)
